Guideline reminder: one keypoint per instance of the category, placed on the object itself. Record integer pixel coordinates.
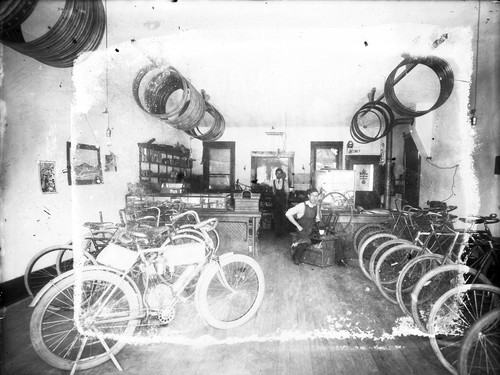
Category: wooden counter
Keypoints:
(236, 229)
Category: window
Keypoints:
(265, 163)
(325, 156)
(218, 165)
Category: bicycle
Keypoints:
(480, 349)
(135, 285)
(452, 317)
(55, 260)
(387, 268)
(405, 227)
(444, 272)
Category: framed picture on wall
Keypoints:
(47, 177)
(84, 163)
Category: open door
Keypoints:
(411, 164)
(367, 165)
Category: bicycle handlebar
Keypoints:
(185, 213)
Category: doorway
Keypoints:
(411, 165)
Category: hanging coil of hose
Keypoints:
(79, 29)
(371, 122)
(440, 67)
(163, 92)
(217, 127)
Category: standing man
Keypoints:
(280, 203)
(305, 217)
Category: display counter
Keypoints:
(237, 228)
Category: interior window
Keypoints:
(218, 165)
(326, 156)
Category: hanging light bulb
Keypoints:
(108, 132)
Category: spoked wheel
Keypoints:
(454, 313)
(339, 209)
(364, 230)
(411, 274)
(368, 247)
(480, 352)
(230, 291)
(434, 284)
(381, 249)
(108, 311)
(389, 266)
(47, 265)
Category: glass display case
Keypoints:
(219, 201)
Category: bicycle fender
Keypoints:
(214, 263)
(53, 283)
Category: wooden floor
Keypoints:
(312, 321)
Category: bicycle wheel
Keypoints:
(434, 284)
(364, 230)
(453, 315)
(55, 335)
(48, 264)
(369, 246)
(480, 350)
(390, 265)
(411, 273)
(230, 291)
(339, 210)
(383, 247)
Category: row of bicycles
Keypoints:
(446, 279)
(130, 277)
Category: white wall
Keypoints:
(311, 64)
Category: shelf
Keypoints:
(160, 164)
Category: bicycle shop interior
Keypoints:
(131, 105)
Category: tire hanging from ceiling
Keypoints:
(163, 92)
(442, 70)
(79, 29)
(375, 119)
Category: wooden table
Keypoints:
(235, 227)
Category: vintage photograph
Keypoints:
(47, 176)
(304, 187)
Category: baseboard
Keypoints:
(12, 291)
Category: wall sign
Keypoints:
(363, 180)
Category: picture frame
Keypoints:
(84, 164)
(47, 176)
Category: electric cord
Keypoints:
(453, 179)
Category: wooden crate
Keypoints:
(324, 254)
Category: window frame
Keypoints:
(207, 146)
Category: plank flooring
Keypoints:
(312, 321)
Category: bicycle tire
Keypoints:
(411, 273)
(337, 204)
(362, 231)
(46, 265)
(390, 265)
(421, 306)
(480, 350)
(366, 250)
(453, 315)
(55, 311)
(380, 249)
(244, 275)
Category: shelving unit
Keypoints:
(160, 164)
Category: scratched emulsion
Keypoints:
(94, 77)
